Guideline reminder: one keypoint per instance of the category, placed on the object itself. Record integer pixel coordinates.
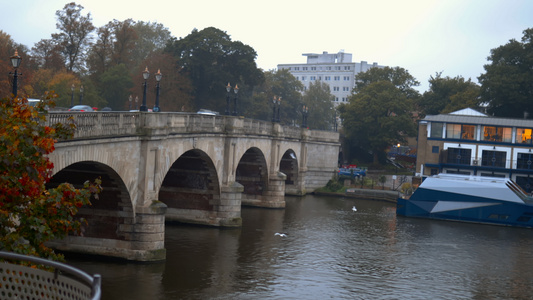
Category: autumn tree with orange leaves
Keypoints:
(30, 214)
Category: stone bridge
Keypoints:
(191, 168)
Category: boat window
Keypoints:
(523, 219)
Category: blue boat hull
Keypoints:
(485, 212)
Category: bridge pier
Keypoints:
(273, 197)
(142, 238)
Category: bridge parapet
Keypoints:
(102, 124)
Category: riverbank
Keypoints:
(372, 194)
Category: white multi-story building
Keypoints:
(337, 70)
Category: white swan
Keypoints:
(280, 234)
(354, 209)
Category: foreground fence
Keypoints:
(63, 283)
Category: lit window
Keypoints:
(523, 135)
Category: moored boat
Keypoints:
(489, 200)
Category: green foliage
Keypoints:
(507, 85)
(212, 59)
(116, 83)
(31, 215)
(277, 84)
(334, 186)
(380, 114)
(319, 100)
(447, 94)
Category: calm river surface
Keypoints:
(330, 252)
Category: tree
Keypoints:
(319, 101)
(116, 83)
(25, 71)
(507, 85)
(31, 215)
(280, 83)
(449, 94)
(380, 113)
(152, 37)
(74, 37)
(47, 54)
(211, 60)
(175, 87)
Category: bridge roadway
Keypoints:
(191, 168)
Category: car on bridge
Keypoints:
(353, 172)
(82, 108)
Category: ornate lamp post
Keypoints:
(236, 90)
(158, 77)
(130, 99)
(279, 106)
(15, 62)
(81, 94)
(274, 109)
(305, 111)
(72, 95)
(146, 75)
(228, 90)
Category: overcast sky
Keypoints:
(423, 36)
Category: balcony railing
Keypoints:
(64, 283)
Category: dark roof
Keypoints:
(479, 120)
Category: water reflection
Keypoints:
(330, 252)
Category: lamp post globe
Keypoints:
(228, 90)
(15, 62)
(81, 94)
(72, 95)
(146, 75)
(236, 90)
(274, 109)
(158, 77)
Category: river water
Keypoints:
(330, 252)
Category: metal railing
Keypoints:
(25, 282)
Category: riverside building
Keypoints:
(471, 143)
(336, 69)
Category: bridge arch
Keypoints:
(190, 189)
(289, 166)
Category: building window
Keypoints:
(523, 135)
(468, 132)
(524, 161)
(435, 149)
(346, 68)
(304, 68)
(337, 78)
(296, 68)
(313, 77)
(303, 78)
(328, 78)
(336, 99)
(335, 88)
(328, 68)
(338, 68)
(313, 68)
(319, 77)
(525, 182)
(453, 131)
(491, 158)
(345, 88)
(346, 78)
(436, 130)
(497, 134)
(460, 156)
